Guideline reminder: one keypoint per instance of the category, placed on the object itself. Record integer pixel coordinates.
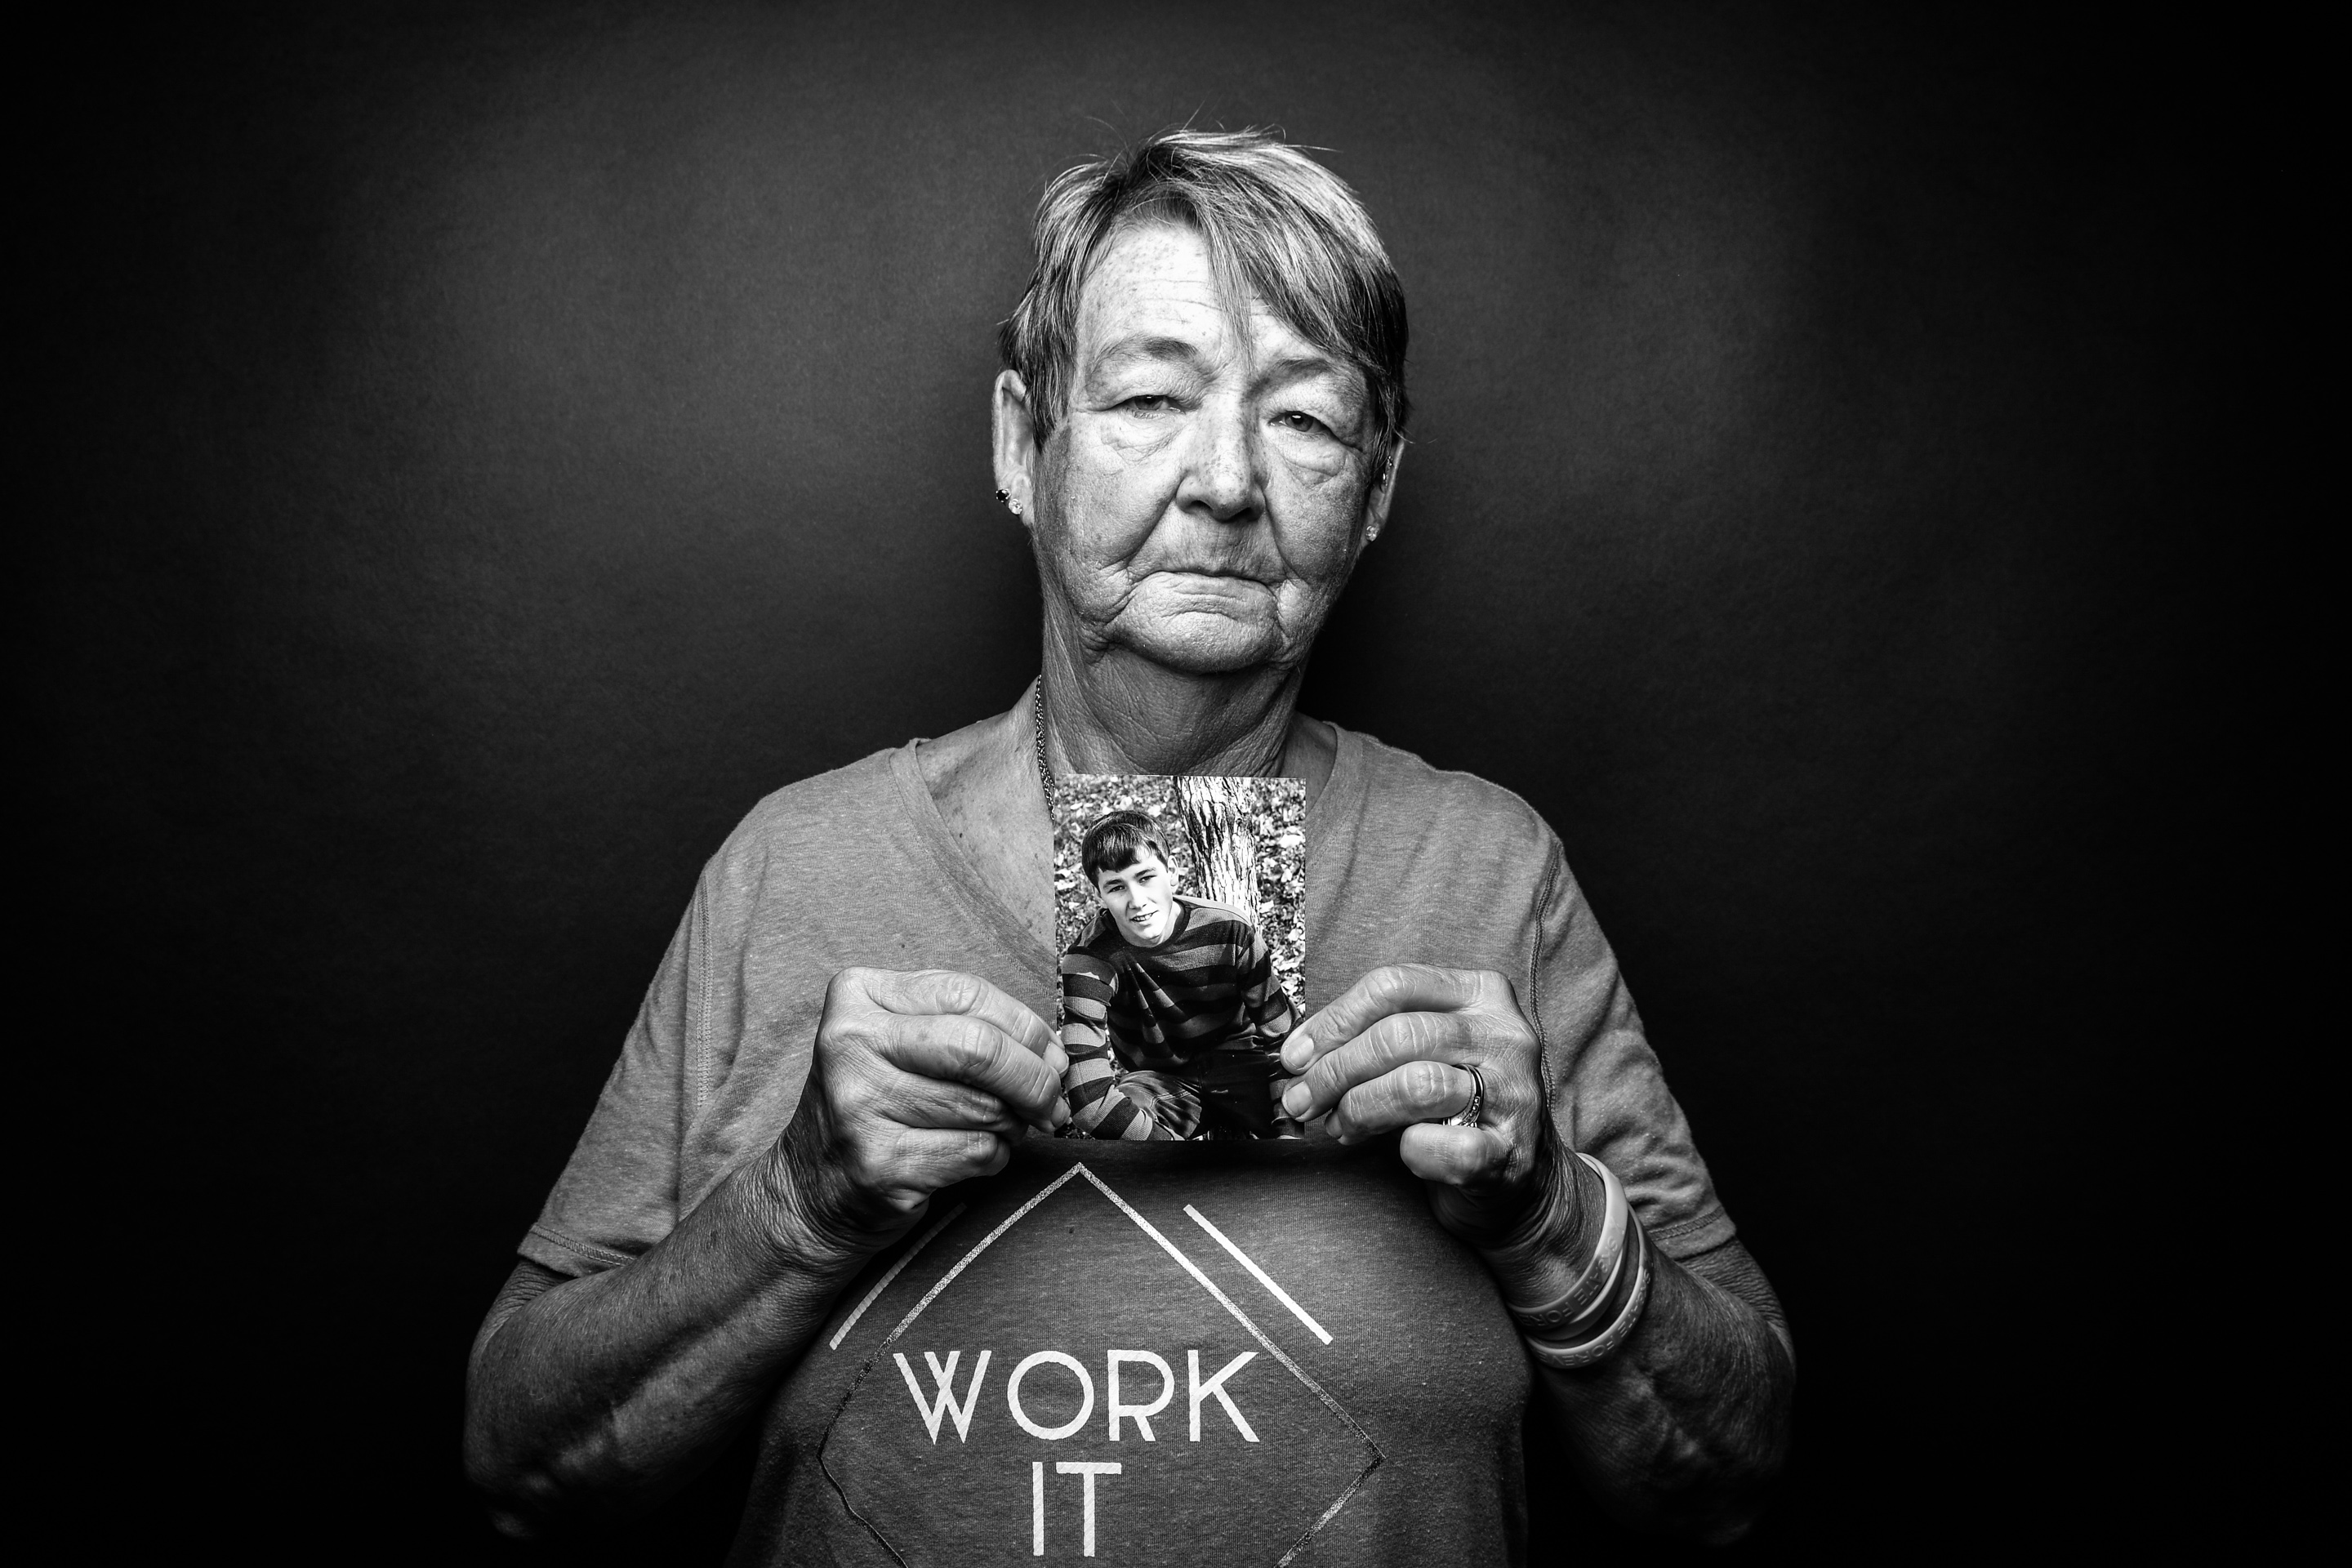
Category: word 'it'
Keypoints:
(944, 1406)
(1089, 1469)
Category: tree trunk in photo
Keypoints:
(1219, 819)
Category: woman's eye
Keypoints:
(1296, 420)
(1149, 402)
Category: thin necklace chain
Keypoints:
(1037, 726)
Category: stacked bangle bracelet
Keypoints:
(1598, 1312)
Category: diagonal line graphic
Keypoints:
(966, 1261)
(884, 1283)
(1260, 1275)
(1227, 1302)
(1272, 1348)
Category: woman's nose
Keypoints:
(1222, 478)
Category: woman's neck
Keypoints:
(1122, 714)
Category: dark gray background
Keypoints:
(475, 453)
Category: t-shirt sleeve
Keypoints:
(619, 1195)
(1609, 1094)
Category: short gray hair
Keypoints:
(1278, 225)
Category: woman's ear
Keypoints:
(1376, 505)
(1014, 436)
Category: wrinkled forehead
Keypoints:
(1156, 291)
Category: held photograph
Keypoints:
(1178, 904)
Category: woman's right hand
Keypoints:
(917, 1082)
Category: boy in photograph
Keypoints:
(1171, 1013)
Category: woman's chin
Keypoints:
(1203, 642)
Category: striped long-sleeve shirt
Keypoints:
(1159, 1011)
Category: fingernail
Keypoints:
(1061, 1114)
(1297, 1099)
(1297, 1052)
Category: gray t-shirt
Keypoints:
(1342, 1383)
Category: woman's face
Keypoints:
(1211, 483)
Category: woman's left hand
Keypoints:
(1394, 1050)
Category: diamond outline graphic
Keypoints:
(1190, 1268)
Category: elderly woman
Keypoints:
(822, 1199)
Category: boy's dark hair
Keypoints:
(1114, 841)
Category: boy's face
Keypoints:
(1141, 899)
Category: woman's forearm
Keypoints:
(600, 1395)
(1686, 1428)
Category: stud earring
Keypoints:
(1003, 496)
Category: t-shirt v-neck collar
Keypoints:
(1334, 806)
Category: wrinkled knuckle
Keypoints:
(1398, 1034)
(1457, 987)
(1418, 1034)
(1426, 1082)
(949, 1045)
(961, 1152)
(958, 992)
(981, 1046)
